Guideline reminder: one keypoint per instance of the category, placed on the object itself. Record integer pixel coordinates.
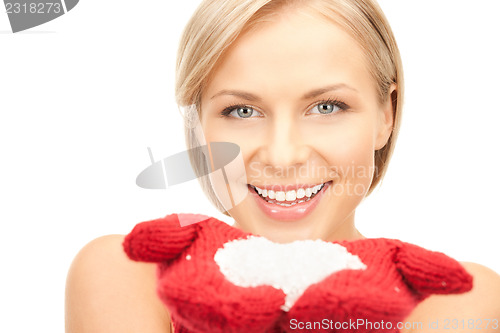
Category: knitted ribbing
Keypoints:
(200, 299)
(147, 242)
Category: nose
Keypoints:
(286, 145)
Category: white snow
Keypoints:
(291, 267)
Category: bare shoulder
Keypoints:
(107, 292)
(478, 309)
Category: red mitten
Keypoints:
(147, 241)
(216, 278)
(431, 272)
(197, 294)
(397, 277)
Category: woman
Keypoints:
(311, 91)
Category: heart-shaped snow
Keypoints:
(291, 267)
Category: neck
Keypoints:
(345, 231)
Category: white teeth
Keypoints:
(271, 194)
(280, 196)
(291, 196)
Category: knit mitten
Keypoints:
(216, 278)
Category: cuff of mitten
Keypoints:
(432, 272)
(159, 240)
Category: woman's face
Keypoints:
(297, 96)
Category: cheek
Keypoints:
(349, 153)
(228, 178)
(350, 140)
(219, 130)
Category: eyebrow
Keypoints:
(311, 94)
(320, 91)
(238, 93)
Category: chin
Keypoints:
(312, 227)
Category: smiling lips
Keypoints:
(293, 204)
(290, 197)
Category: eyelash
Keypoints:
(341, 105)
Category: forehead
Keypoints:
(295, 50)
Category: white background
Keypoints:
(83, 96)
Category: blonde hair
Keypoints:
(216, 24)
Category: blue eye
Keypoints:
(327, 108)
(239, 111)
